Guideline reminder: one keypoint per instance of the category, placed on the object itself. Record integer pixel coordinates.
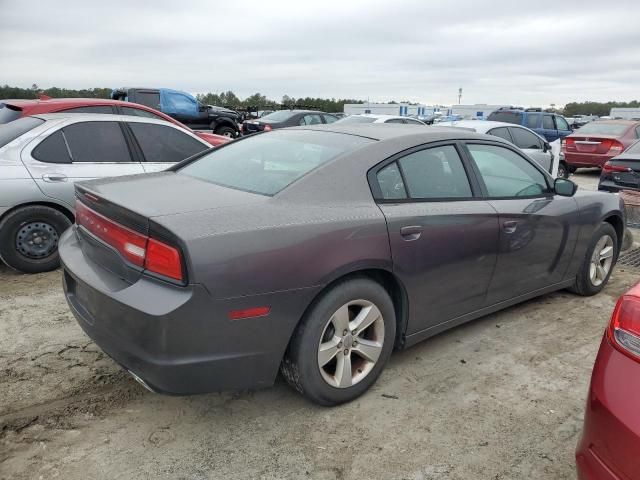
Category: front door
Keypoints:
(79, 151)
(443, 237)
(538, 229)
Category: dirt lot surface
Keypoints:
(499, 398)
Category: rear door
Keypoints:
(562, 126)
(443, 236)
(538, 229)
(549, 130)
(161, 145)
(79, 151)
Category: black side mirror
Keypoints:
(564, 187)
(546, 147)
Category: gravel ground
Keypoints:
(499, 398)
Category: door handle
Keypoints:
(510, 226)
(54, 177)
(411, 232)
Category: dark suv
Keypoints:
(549, 125)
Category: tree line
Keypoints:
(223, 99)
(600, 109)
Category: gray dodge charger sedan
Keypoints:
(316, 251)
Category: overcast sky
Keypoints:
(515, 52)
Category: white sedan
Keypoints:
(373, 118)
(525, 139)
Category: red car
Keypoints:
(596, 142)
(610, 444)
(13, 109)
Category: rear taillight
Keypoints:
(624, 328)
(138, 249)
(567, 143)
(616, 147)
(267, 128)
(608, 168)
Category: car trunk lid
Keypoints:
(596, 144)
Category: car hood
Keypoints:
(226, 111)
(167, 193)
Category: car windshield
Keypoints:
(635, 148)
(356, 119)
(268, 163)
(280, 116)
(9, 113)
(603, 128)
(12, 130)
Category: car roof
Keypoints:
(379, 115)
(78, 117)
(19, 102)
(619, 121)
(381, 132)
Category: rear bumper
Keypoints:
(177, 340)
(586, 160)
(608, 449)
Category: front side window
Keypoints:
(266, 164)
(411, 121)
(394, 120)
(97, 142)
(525, 139)
(435, 173)
(330, 118)
(562, 123)
(160, 143)
(52, 149)
(507, 174)
(547, 123)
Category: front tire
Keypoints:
(563, 170)
(342, 344)
(29, 238)
(598, 263)
(226, 132)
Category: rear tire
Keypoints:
(326, 361)
(29, 238)
(598, 263)
(563, 170)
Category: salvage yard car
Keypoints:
(622, 172)
(42, 155)
(318, 250)
(286, 118)
(375, 118)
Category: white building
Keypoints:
(480, 110)
(393, 109)
(625, 113)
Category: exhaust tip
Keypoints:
(141, 381)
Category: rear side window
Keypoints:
(435, 173)
(547, 123)
(266, 164)
(91, 109)
(160, 143)
(501, 132)
(509, 117)
(12, 130)
(52, 149)
(391, 183)
(9, 113)
(97, 142)
(138, 112)
(525, 139)
(311, 120)
(562, 123)
(329, 118)
(532, 120)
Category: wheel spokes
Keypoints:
(340, 319)
(328, 350)
(364, 319)
(368, 349)
(343, 370)
(606, 252)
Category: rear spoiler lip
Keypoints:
(11, 106)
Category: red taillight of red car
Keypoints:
(608, 168)
(567, 144)
(624, 328)
(614, 147)
(267, 128)
(139, 249)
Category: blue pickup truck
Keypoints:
(549, 125)
(184, 107)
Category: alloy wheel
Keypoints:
(601, 260)
(351, 343)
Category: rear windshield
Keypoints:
(267, 163)
(509, 117)
(603, 128)
(9, 113)
(277, 117)
(12, 130)
(356, 119)
(635, 148)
